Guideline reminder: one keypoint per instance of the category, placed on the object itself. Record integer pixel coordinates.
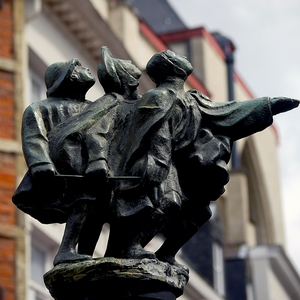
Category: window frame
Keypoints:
(43, 243)
(218, 268)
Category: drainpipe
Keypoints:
(228, 49)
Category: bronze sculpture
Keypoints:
(135, 161)
(67, 84)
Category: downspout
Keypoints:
(235, 158)
(228, 49)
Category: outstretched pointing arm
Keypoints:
(282, 104)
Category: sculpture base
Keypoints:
(112, 278)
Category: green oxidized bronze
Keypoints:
(145, 164)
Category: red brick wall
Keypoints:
(6, 104)
(6, 30)
(7, 269)
(7, 187)
(7, 160)
(6, 78)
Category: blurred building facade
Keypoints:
(239, 254)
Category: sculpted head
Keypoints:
(166, 64)
(116, 75)
(62, 76)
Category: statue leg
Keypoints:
(151, 226)
(181, 231)
(74, 224)
(92, 227)
(175, 239)
(125, 241)
(97, 216)
(129, 235)
(90, 233)
(157, 222)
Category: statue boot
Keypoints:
(129, 236)
(179, 231)
(67, 250)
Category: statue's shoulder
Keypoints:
(37, 105)
(197, 94)
(47, 102)
(158, 96)
(108, 97)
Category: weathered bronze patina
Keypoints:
(145, 164)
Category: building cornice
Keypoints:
(89, 29)
(83, 21)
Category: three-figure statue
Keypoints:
(145, 164)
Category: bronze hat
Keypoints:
(57, 73)
(167, 63)
(114, 73)
(107, 73)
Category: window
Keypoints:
(37, 90)
(250, 291)
(41, 258)
(180, 48)
(32, 8)
(35, 83)
(218, 268)
(38, 264)
(38, 296)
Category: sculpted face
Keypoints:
(128, 73)
(131, 69)
(82, 74)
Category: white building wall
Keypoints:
(102, 7)
(126, 26)
(267, 156)
(240, 92)
(52, 44)
(215, 72)
(272, 275)
(277, 292)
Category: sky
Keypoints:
(266, 35)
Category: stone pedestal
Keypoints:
(111, 278)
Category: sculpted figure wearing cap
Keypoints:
(180, 146)
(176, 144)
(40, 194)
(67, 84)
(96, 124)
(102, 132)
(90, 143)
